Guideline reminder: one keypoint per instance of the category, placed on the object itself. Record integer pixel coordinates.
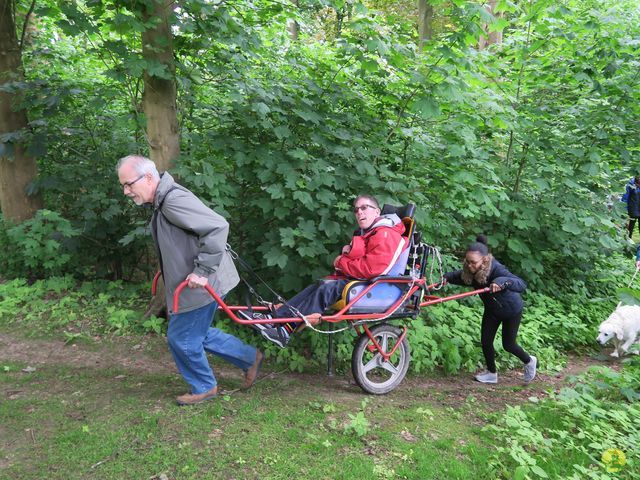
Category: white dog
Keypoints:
(622, 326)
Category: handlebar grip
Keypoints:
(176, 294)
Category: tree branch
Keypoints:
(24, 25)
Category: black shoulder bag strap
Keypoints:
(154, 225)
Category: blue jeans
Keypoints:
(190, 336)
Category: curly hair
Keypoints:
(481, 275)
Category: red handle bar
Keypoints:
(434, 300)
(154, 284)
(228, 310)
(176, 294)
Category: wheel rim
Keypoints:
(378, 372)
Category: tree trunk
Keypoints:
(293, 26)
(159, 98)
(17, 167)
(425, 22)
(491, 38)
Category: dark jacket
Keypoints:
(506, 302)
(633, 200)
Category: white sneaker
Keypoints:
(530, 369)
(277, 335)
(487, 377)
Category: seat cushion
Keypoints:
(376, 300)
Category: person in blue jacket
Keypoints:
(632, 195)
(502, 305)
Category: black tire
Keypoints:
(369, 370)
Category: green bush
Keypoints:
(577, 428)
(445, 336)
(63, 305)
(37, 247)
(280, 135)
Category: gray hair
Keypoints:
(141, 165)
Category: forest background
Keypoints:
(517, 119)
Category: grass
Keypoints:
(66, 423)
(71, 418)
(102, 406)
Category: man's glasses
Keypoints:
(362, 208)
(128, 184)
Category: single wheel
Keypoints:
(370, 370)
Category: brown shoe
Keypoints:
(192, 398)
(251, 374)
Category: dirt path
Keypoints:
(452, 390)
(139, 354)
(150, 355)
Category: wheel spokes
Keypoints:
(390, 367)
(385, 342)
(372, 364)
(377, 360)
(371, 371)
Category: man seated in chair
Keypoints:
(373, 251)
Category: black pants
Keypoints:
(313, 299)
(631, 224)
(510, 326)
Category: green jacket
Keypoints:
(190, 238)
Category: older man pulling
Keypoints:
(190, 240)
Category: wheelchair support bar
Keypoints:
(337, 317)
(385, 355)
(230, 310)
(434, 300)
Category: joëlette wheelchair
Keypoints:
(381, 355)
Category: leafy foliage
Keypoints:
(280, 135)
(598, 413)
(523, 141)
(38, 246)
(62, 305)
(358, 423)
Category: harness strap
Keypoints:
(154, 224)
(252, 272)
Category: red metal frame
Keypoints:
(376, 346)
(339, 316)
(154, 284)
(432, 299)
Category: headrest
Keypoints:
(404, 211)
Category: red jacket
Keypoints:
(375, 251)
